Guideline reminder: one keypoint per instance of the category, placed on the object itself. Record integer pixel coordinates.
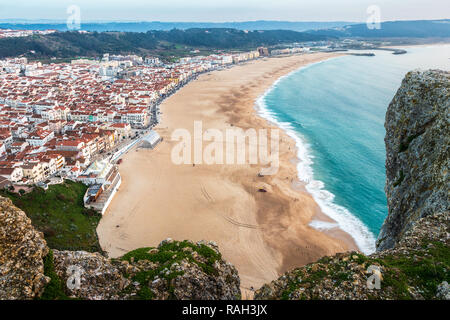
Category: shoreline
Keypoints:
(223, 198)
(331, 219)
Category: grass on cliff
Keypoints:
(59, 213)
(166, 255)
(419, 271)
(54, 290)
(423, 270)
(404, 145)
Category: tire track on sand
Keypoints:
(210, 199)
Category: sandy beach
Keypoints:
(262, 233)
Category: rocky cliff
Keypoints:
(22, 250)
(173, 270)
(413, 256)
(417, 153)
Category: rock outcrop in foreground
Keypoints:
(22, 250)
(417, 268)
(417, 153)
(413, 258)
(174, 270)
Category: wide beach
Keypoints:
(262, 233)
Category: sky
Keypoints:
(224, 10)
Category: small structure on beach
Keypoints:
(151, 140)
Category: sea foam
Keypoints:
(343, 218)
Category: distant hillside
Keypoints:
(166, 26)
(70, 44)
(393, 29)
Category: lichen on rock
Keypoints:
(182, 270)
(22, 250)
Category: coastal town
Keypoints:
(75, 120)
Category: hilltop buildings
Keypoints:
(9, 33)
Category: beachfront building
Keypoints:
(123, 129)
(263, 51)
(138, 117)
(151, 140)
(287, 51)
(104, 180)
(98, 172)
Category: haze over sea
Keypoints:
(335, 111)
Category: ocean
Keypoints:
(335, 110)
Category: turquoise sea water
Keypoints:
(335, 110)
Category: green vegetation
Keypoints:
(165, 44)
(393, 29)
(54, 289)
(422, 270)
(59, 213)
(165, 256)
(405, 145)
(400, 179)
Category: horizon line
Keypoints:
(38, 21)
